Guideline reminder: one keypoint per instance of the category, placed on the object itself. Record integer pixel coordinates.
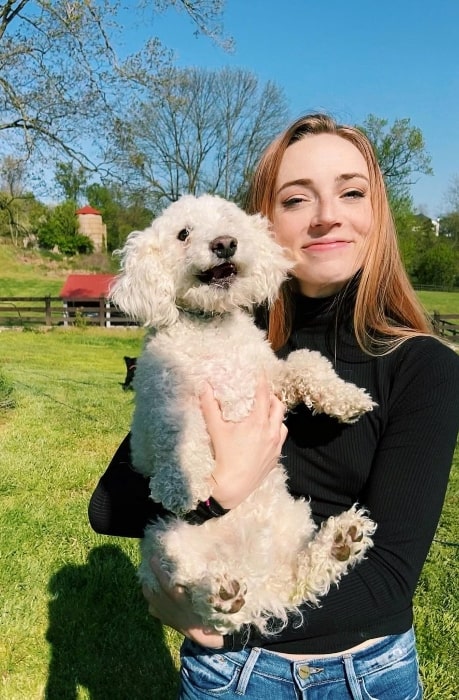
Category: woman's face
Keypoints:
(322, 211)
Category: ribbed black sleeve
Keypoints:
(121, 503)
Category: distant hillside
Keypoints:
(31, 273)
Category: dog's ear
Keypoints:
(144, 289)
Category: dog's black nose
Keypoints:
(224, 246)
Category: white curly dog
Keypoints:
(192, 277)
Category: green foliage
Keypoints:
(60, 230)
(449, 227)
(121, 214)
(405, 224)
(400, 149)
(438, 265)
(20, 217)
(71, 180)
(428, 259)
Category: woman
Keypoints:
(349, 298)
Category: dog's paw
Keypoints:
(348, 403)
(352, 539)
(229, 597)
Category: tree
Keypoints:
(71, 179)
(120, 213)
(201, 131)
(438, 265)
(19, 210)
(61, 74)
(60, 231)
(410, 235)
(449, 227)
(400, 150)
(452, 195)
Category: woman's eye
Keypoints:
(183, 234)
(288, 203)
(354, 194)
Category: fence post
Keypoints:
(48, 310)
(66, 312)
(102, 311)
(436, 321)
(107, 314)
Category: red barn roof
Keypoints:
(86, 286)
(88, 210)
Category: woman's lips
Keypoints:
(324, 246)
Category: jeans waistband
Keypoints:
(375, 656)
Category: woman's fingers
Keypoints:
(210, 408)
(266, 405)
(172, 605)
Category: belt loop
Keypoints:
(247, 671)
(351, 677)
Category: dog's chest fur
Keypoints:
(170, 443)
(227, 351)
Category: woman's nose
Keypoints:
(325, 213)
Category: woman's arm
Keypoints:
(121, 503)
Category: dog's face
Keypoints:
(201, 254)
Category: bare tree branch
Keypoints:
(62, 81)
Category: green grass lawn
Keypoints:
(74, 624)
(31, 273)
(73, 621)
(443, 302)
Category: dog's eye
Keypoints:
(183, 234)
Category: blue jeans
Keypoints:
(387, 670)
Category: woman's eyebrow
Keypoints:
(304, 182)
(351, 176)
(307, 182)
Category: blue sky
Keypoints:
(394, 59)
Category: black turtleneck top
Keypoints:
(395, 461)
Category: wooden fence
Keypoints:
(54, 311)
(446, 325)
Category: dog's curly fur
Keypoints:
(191, 278)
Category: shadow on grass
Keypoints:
(101, 636)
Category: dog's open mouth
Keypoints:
(220, 275)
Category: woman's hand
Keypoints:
(173, 607)
(245, 452)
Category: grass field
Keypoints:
(29, 273)
(74, 624)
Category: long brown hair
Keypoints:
(386, 306)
